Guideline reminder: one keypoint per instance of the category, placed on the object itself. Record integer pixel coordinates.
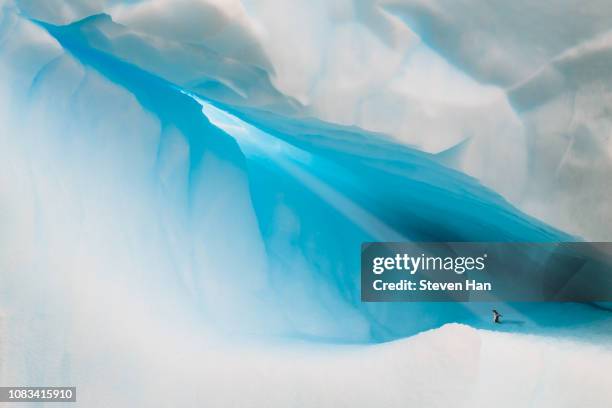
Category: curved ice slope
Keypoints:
(252, 210)
(432, 74)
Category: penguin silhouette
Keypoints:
(496, 316)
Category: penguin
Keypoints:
(496, 316)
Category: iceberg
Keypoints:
(183, 198)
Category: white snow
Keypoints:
(454, 365)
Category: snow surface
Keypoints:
(454, 365)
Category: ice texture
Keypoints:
(184, 187)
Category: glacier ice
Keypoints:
(169, 188)
(444, 77)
